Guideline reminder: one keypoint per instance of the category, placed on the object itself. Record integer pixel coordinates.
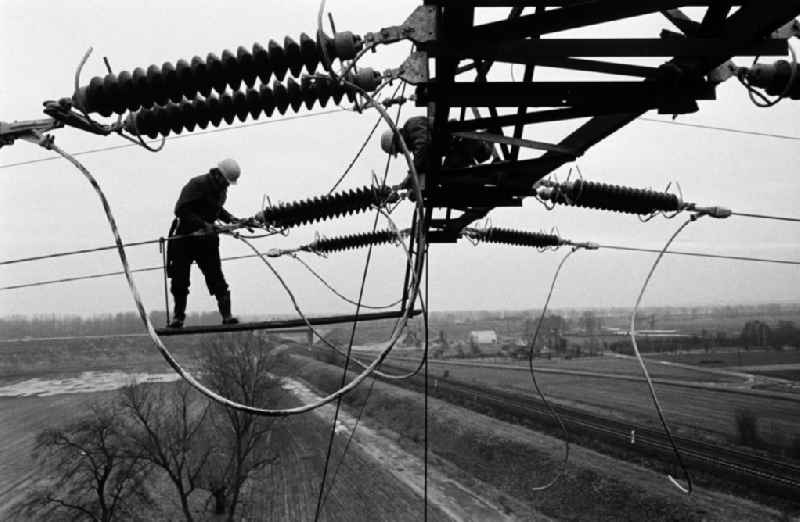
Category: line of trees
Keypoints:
(15, 327)
(102, 466)
(758, 333)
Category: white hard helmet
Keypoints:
(230, 170)
(388, 143)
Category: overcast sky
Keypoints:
(48, 206)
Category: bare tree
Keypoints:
(164, 427)
(237, 366)
(91, 474)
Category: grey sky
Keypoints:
(49, 206)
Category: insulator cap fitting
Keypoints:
(325, 207)
(116, 94)
(775, 78)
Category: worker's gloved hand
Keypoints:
(209, 228)
(248, 223)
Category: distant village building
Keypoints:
(484, 342)
(480, 337)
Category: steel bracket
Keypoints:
(413, 70)
(787, 31)
(419, 27)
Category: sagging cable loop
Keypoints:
(47, 142)
(643, 366)
(531, 352)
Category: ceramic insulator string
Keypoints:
(602, 196)
(518, 237)
(214, 110)
(325, 207)
(154, 85)
(353, 241)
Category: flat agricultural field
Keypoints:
(286, 489)
(731, 358)
(699, 412)
(613, 366)
(21, 419)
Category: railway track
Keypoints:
(777, 477)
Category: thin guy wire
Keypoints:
(180, 136)
(103, 248)
(361, 149)
(723, 129)
(425, 438)
(766, 216)
(323, 498)
(344, 376)
(701, 254)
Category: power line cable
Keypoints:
(96, 249)
(723, 129)
(180, 136)
(425, 427)
(344, 376)
(700, 254)
(363, 144)
(766, 216)
(247, 256)
(323, 496)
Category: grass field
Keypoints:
(285, 490)
(691, 411)
(515, 460)
(614, 366)
(731, 358)
(21, 419)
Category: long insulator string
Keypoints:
(189, 78)
(325, 207)
(517, 237)
(603, 196)
(200, 112)
(327, 245)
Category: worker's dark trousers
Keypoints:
(203, 250)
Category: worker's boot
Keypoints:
(224, 303)
(180, 312)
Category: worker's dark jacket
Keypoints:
(200, 203)
(461, 152)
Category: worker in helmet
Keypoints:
(416, 132)
(199, 206)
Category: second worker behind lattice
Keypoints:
(199, 207)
